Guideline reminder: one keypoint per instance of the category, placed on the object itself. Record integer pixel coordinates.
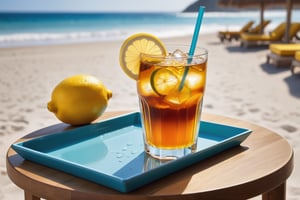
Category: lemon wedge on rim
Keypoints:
(132, 48)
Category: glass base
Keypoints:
(169, 154)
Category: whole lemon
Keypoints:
(79, 99)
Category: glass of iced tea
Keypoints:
(171, 90)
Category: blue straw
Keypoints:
(194, 42)
(196, 31)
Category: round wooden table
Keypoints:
(261, 165)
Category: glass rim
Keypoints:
(203, 52)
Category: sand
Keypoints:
(239, 85)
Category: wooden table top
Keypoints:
(262, 162)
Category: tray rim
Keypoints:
(119, 183)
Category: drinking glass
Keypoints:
(171, 90)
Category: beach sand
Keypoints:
(239, 85)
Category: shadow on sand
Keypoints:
(217, 43)
(235, 46)
(271, 69)
(238, 48)
(293, 83)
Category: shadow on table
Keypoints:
(183, 177)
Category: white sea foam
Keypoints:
(54, 38)
(182, 26)
(22, 39)
(25, 39)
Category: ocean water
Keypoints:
(17, 29)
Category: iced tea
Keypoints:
(171, 90)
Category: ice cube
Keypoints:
(169, 61)
(180, 56)
(178, 53)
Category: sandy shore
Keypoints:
(239, 85)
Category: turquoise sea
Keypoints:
(22, 29)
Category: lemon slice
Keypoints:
(132, 48)
(163, 81)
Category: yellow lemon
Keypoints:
(132, 48)
(79, 99)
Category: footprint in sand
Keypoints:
(271, 117)
(3, 172)
(233, 99)
(210, 106)
(288, 128)
(17, 128)
(28, 110)
(3, 120)
(18, 123)
(2, 128)
(20, 119)
(254, 110)
(240, 112)
(11, 106)
(236, 99)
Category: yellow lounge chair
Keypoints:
(282, 54)
(275, 36)
(296, 62)
(258, 28)
(229, 35)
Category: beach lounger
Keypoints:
(276, 35)
(259, 28)
(295, 62)
(229, 35)
(282, 54)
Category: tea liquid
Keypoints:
(171, 116)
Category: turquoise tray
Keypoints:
(111, 152)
